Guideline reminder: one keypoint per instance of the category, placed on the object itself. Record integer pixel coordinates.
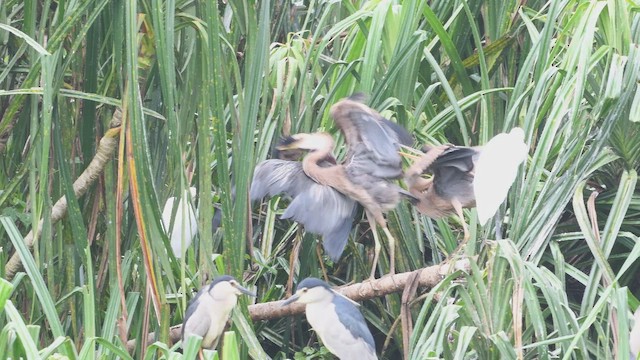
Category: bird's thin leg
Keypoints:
(392, 251)
(409, 156)
(378, 246)
(458, 208)
(249, 238)
(200, 354)
(293, 259)
(324, 270)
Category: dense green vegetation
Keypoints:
(207, 88)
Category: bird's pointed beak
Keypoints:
(290, 300)
(245, 291)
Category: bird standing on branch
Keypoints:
(324, 194)
(336, 320)
(209, 311)
(464, 177)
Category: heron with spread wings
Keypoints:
(464, 177)
(324, 194)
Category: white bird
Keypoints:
(183, 226)
(496, 170)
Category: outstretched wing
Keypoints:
(373, 140)
(496, 170)
(453, 173)
(320, 208)
(459, 157)
(274, 177)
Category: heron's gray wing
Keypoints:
(320, 208)
(196, 319)
(351, 317)
(400, 134)
(371, 138)
(453, 173)
(460, 157)
(274, 177)
(325, 211)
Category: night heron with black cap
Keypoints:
(336, 319)
(209, 311)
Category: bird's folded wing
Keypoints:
(196, 320)
(353, 320)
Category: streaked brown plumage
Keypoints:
(372, 160)
(465, 177)
(451, 187)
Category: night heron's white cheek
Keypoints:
(314, 295)
(224, 295)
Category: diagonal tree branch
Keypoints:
(105, 149)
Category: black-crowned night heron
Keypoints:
(209, 311)
(464, 177)
(325, 194)
(336, 320)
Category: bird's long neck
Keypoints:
(310, 163)
(428, 201)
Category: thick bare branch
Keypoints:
(105, 149)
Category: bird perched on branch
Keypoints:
(465, 177)
(209, 311)
(336, 319)
(324, 193)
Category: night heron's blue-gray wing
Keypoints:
(371, 137)
(351, 317)
(196, 320)
(320, 208)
